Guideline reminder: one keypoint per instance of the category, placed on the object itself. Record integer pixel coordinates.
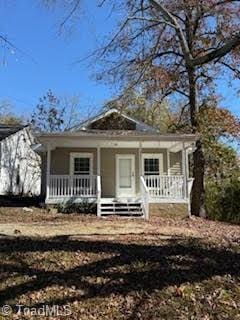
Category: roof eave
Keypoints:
(166, 137)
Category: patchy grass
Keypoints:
(123, 269)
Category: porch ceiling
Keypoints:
(119, 135)
(76, 142)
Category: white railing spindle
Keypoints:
(72, 186)
(165, 186)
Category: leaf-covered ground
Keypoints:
(160, 273)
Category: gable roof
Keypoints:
(7, 130)
(140, 126)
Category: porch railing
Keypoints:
(72, 186)
(145, 197)
(165, 186)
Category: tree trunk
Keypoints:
(198, 184)
(198, 158)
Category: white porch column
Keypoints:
(168, 162)
(98, 181)
(140, 173)
(48, 171)
(140, 159)
(187, 174)
(184, 171)
(98, 161)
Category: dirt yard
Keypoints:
(118, 268)
(40, 223)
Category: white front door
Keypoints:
(125, 175)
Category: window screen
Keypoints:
(82, 166)
(151, 166)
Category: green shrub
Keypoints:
(223, 200)
(69, 206)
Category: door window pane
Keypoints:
(125, 169)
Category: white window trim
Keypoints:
(153, 156)
(74, 155)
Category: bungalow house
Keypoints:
(20, 166)
(124, 165)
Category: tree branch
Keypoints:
(182, 93)
(4, 39)
(234, 70)
(10, 44)
(151, 20)
(161, 54)
(215, 54)
(169, 17)
(101, 3)
(71, 13)
(218, 53)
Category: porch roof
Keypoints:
(118, 135)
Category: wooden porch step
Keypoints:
(118, 207)
(121, 208)
(137, 214)
(121, 203)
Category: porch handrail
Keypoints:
(145, 197)
(72, 186)
(99, 196)
(189, 186)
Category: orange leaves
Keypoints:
(218, 122)
(179, 292)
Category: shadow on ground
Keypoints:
(128, 267)
(20, 201)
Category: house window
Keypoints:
(152, 164)
(151, 167)
(81, 163)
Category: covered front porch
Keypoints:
(120, 173)
(160, 187)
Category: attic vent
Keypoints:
(113, 122)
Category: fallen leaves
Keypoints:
(130, 276)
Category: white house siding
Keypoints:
(20, 171)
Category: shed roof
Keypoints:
(7, 130)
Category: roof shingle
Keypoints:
(6, 130)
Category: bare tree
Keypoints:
(54, 113)
(6, 114)
(175, 48)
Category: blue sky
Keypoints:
(48, 58)
(48, 61)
